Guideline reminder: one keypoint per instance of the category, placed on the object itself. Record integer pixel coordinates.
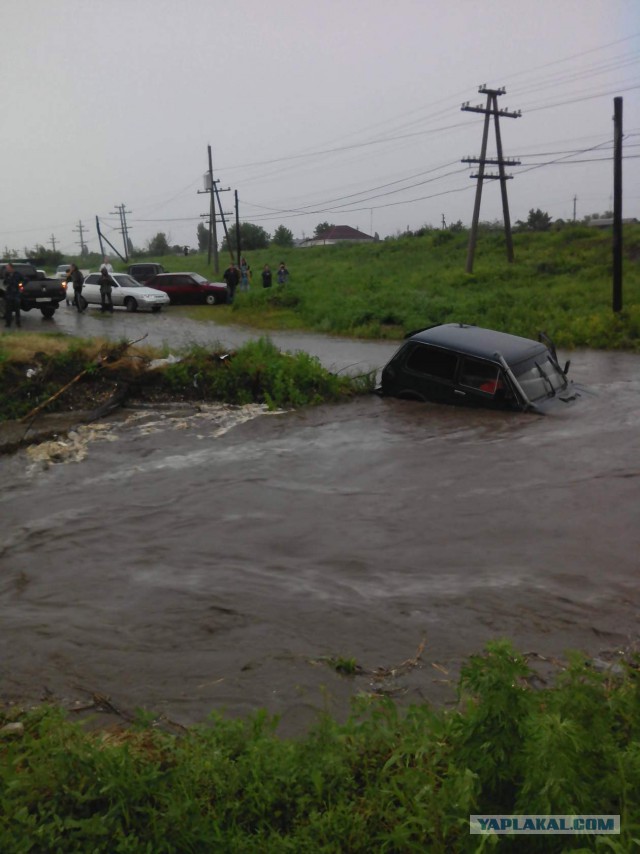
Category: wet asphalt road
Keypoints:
(189, 561)
(172, 329)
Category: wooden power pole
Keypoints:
(617, 204)
(490, 109)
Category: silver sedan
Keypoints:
(125, 291)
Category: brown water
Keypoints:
(189, 562)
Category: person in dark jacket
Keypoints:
(76, 279)
(105, 291)
(283, 274)
(12, 281)
(267, 276)
(231, 276)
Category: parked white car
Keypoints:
(62, 272)
(125, 292)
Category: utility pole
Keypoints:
(575, 199)
(80, 231)
(444, 222)
(211, 187)
(102, 237)
(490, 109)
(237, 229)
(120, 210)
(53, 242)
(223, 215)
(99, 237)
(617, 204)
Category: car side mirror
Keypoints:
(566, 367)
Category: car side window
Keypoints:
(482, 376)
(91, 280)
(183, 281)
(436, 363)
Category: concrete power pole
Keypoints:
(122, 213)
(53, 242)
(211, 187)
(80, 231)
(490, 109)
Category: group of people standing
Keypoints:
(76, 280)
(241, 276)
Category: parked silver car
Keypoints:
(125, 292)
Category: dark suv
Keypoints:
(189, 287)
(468, 365)
(144, 272)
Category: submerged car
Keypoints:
(471, 366)
(125, 292)
(189, 287)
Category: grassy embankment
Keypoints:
(35, 367)
(384, 781)
(561, 282)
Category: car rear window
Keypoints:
(436, 363)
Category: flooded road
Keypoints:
(173, 330)
(187, 561)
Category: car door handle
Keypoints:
(457, 391)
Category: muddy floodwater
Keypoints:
(185, 561)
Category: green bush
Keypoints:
(383, 781)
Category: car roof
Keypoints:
(479, 342)
(178, 273)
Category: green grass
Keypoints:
(560, 283)
(34, 370)
(383, 781)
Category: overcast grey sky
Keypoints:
(340, 110)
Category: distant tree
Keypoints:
(43, 257)
(536, 221)
(491, 225)
(251, 237)
(158, 245)
(456, 226)
(282, 236)
(322, 228)
(202, 233)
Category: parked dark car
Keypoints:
(144, 272)
(468, 365)
(37, 291)
(189, 287)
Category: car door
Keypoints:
(188, 289)
(480, 383)
(429, 373)
(91, 289)
(118, 293)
